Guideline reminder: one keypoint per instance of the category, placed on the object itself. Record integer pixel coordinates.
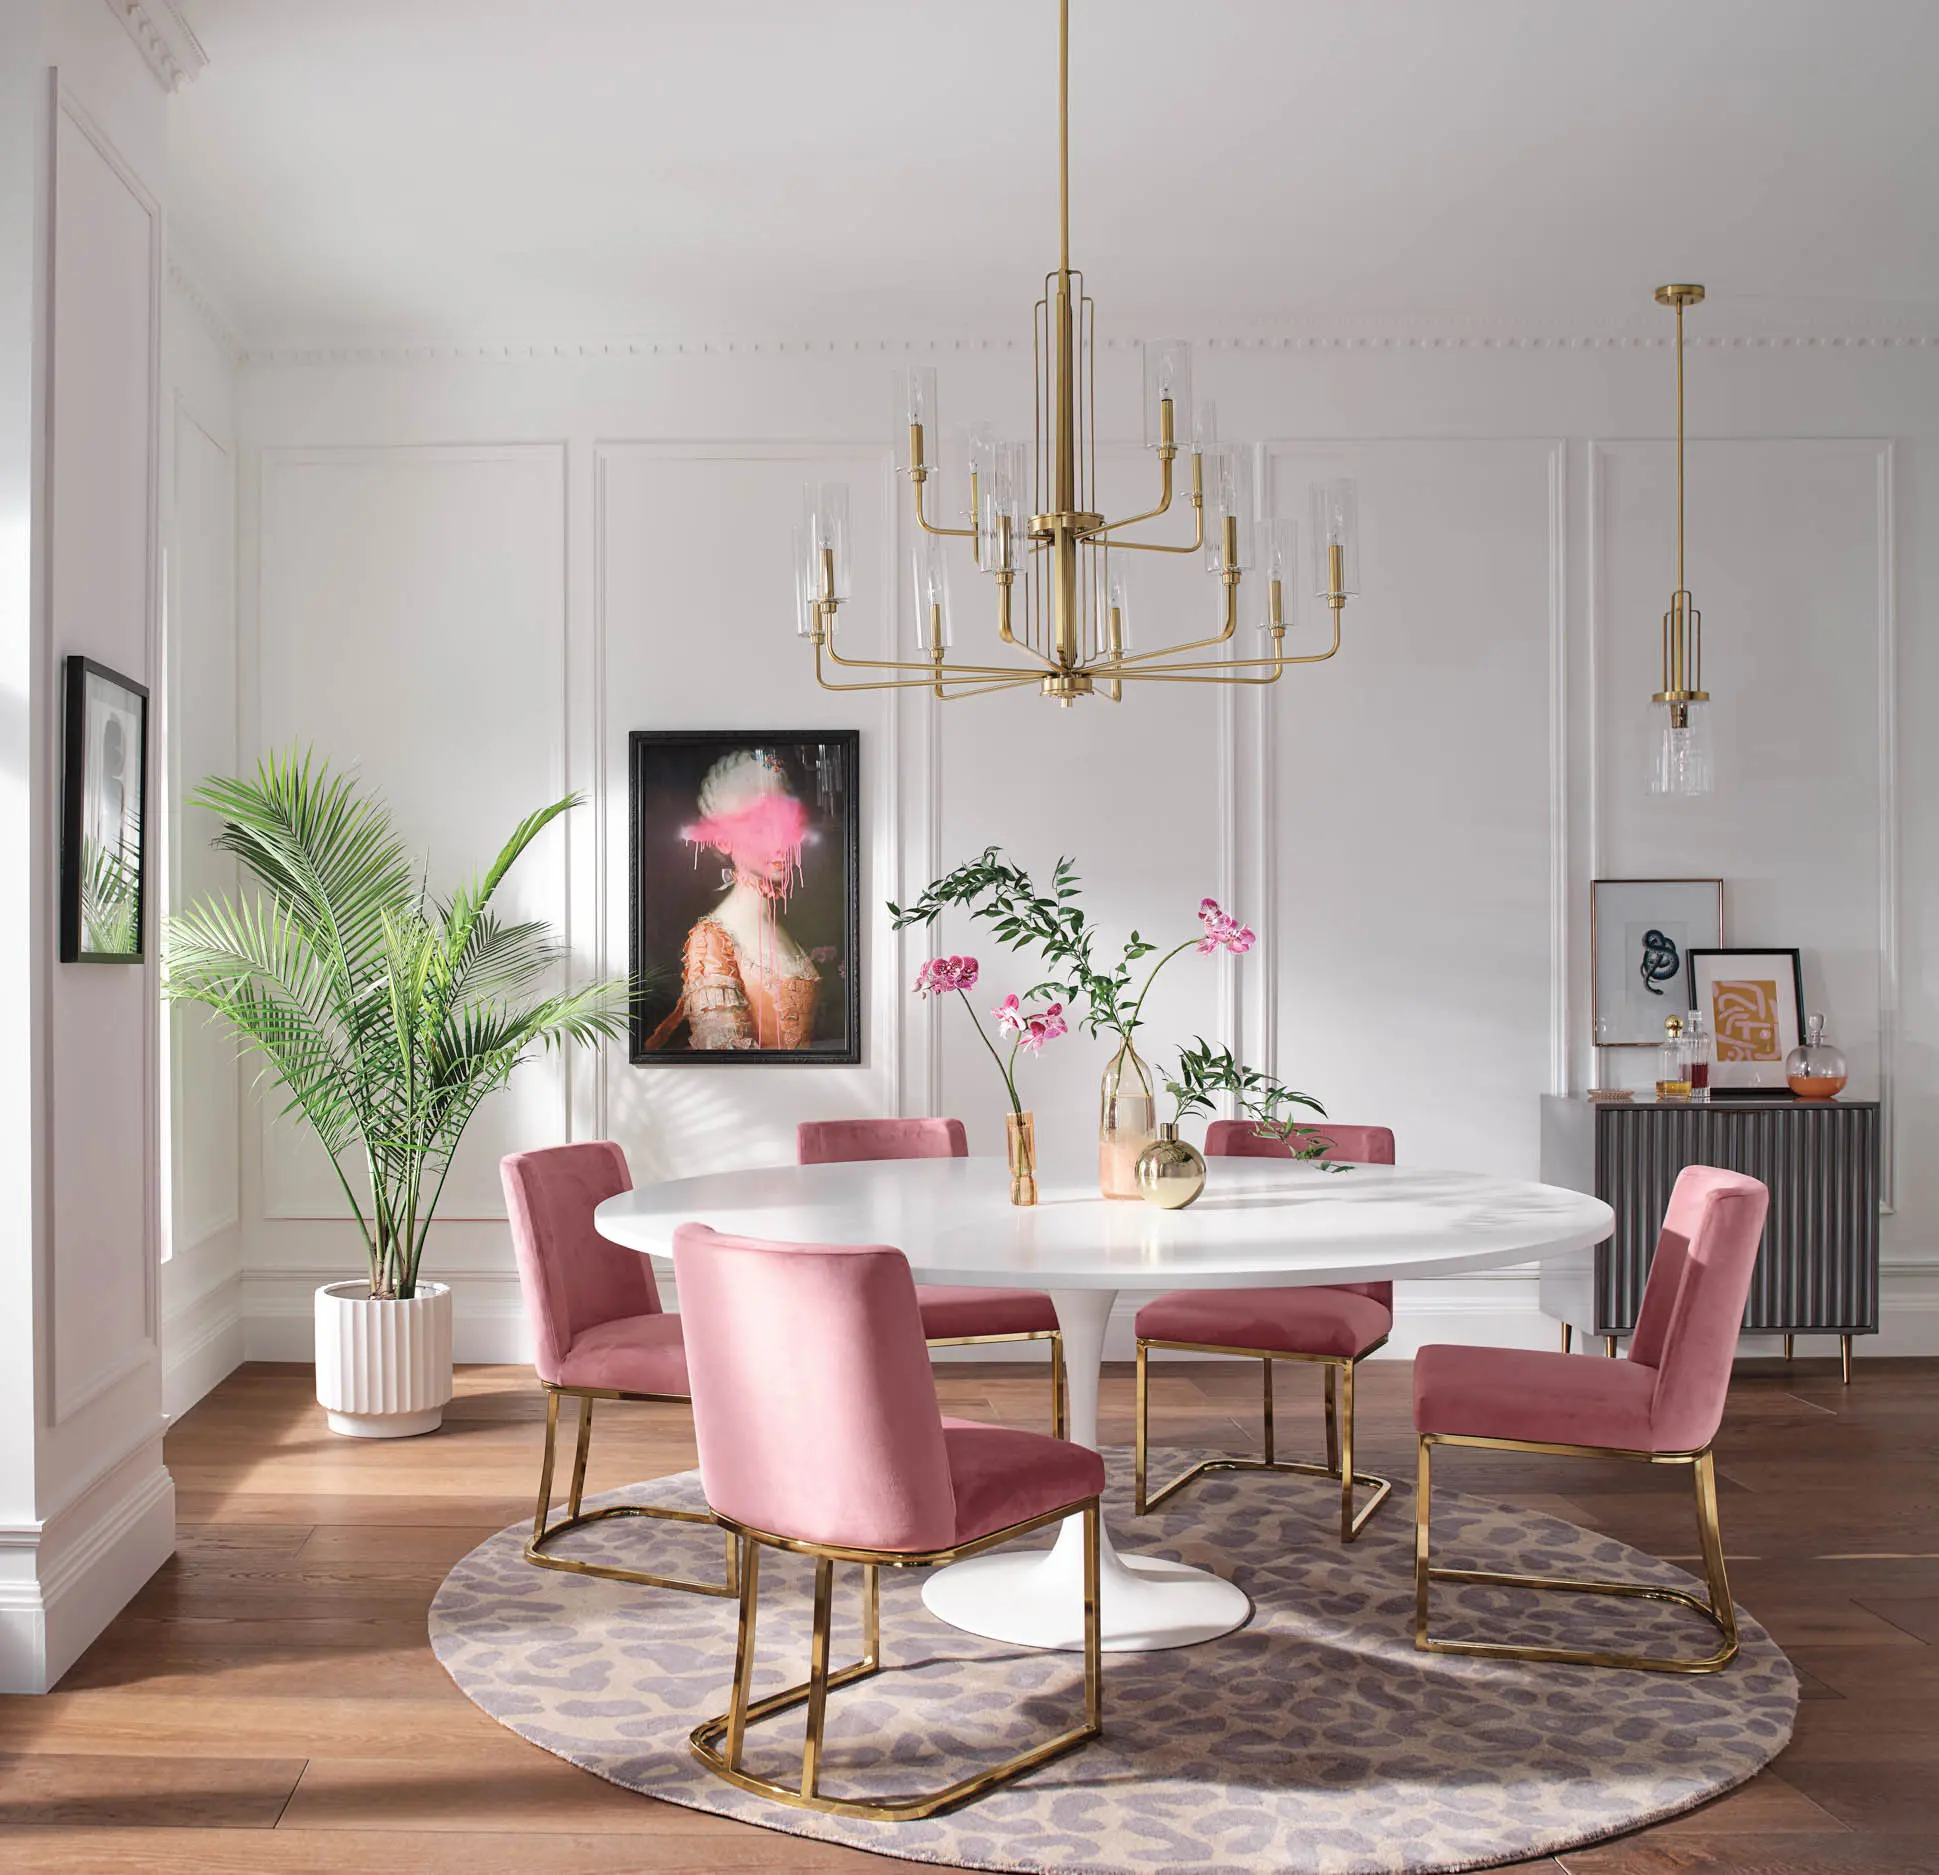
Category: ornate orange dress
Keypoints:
(734, 999)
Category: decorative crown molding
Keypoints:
(164, 38)
(213, 320)
(526, 351)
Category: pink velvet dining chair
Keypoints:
(1332, 1326)
(819, 1433)
(1660, 1406)
(953, 1316)
(598, 1333)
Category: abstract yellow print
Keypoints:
(1744, 1018)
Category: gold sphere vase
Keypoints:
(1171, 1171)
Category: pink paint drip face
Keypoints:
(762, 841)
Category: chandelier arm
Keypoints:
(929, 527)
(1150, 514)
(1223, 636)
(1194, 545)
(909, 664)
(1278, 660)
(1188, 677)
(928, 682)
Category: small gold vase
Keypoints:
(1171, 1171)
(1020, 1136)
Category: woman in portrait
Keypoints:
(745, 983)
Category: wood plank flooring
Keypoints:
(268, 1705)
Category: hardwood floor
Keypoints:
(268, 1704)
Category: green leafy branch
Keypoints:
(1205, 1072)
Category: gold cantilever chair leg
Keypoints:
(1339, 1434)
(1059, 1389)
(720, 1743)
(1718, 1610)
(545, 1532)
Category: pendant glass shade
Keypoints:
(1168, 374)
(1682, 762)
(1003, 493)
(1117, 619)
(807, 586)
(930, 569)
(824, 526)
(1336, 537)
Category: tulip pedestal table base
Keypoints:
(1035, 1598)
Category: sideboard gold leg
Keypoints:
(1844, 1356)
(1568, 1338)
(1609, 1346)
(1790, 1346)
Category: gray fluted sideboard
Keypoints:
(1817, 1272)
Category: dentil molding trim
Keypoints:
(525, 351)
(164, 39)
(212, 319)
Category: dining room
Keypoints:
(1010, 925)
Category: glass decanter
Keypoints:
(1815, 1070)
(1673, 1062)
(1127, 1121)
(1696, 1050)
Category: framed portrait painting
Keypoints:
(104, 765)
(1754, 1000)
(746, 902)
(1641, 933)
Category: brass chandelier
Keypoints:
(1062, 611)
(1682, 760)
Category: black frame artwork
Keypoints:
(99, 784)
(1763, 1077)
(678, 878)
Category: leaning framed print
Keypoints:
(1754, 1000)
(104, 765)
(746, 900)
(1641, 932)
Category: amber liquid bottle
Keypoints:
(1673, 1062)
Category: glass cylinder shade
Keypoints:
(824, 525)
(807, 586)
(1117, 612)
(1168, 374)
(1281, 546)
(1229, 496)
(1336, 525)
(1681, 763)
(915, 399)
(930, 570)
(1003, 493)
(1205, 428)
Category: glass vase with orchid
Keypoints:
(1028, 1030)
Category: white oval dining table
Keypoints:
(1260, 1222)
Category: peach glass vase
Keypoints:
(1020, 1137)
(1127, 1121)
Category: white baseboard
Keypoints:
(202, 1343)
(64, 1580)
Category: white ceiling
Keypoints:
(380, 170)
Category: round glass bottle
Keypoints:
(1815, 1070)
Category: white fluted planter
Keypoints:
(383, 1368)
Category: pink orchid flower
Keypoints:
(1223, 931)
(1044, 1028)
(940, 975)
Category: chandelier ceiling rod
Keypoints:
(1032, 524)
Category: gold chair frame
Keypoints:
(1720, 1611)
(1059, 1386)
(544, 1533)
(717, 1743)
(1339, 1431)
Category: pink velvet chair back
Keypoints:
(1693, 1304)
(572, 1278)
(832, 1142)
(1363, 1145)
(813, 1404)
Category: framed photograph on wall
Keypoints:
(104, 765)
(1754, 1000)
(746, 900)
(1641, 932)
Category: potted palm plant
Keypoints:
(386, 1017)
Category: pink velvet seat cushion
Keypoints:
(1004, 1477)
(1343, 1323)
(1523, 1393)
(635, 1354)
(948, 1311)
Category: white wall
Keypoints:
(474, 572)
(86, 1506)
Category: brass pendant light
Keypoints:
(1683, 763)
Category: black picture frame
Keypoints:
(100, 784)
(676, 880)
(1756, 1079)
